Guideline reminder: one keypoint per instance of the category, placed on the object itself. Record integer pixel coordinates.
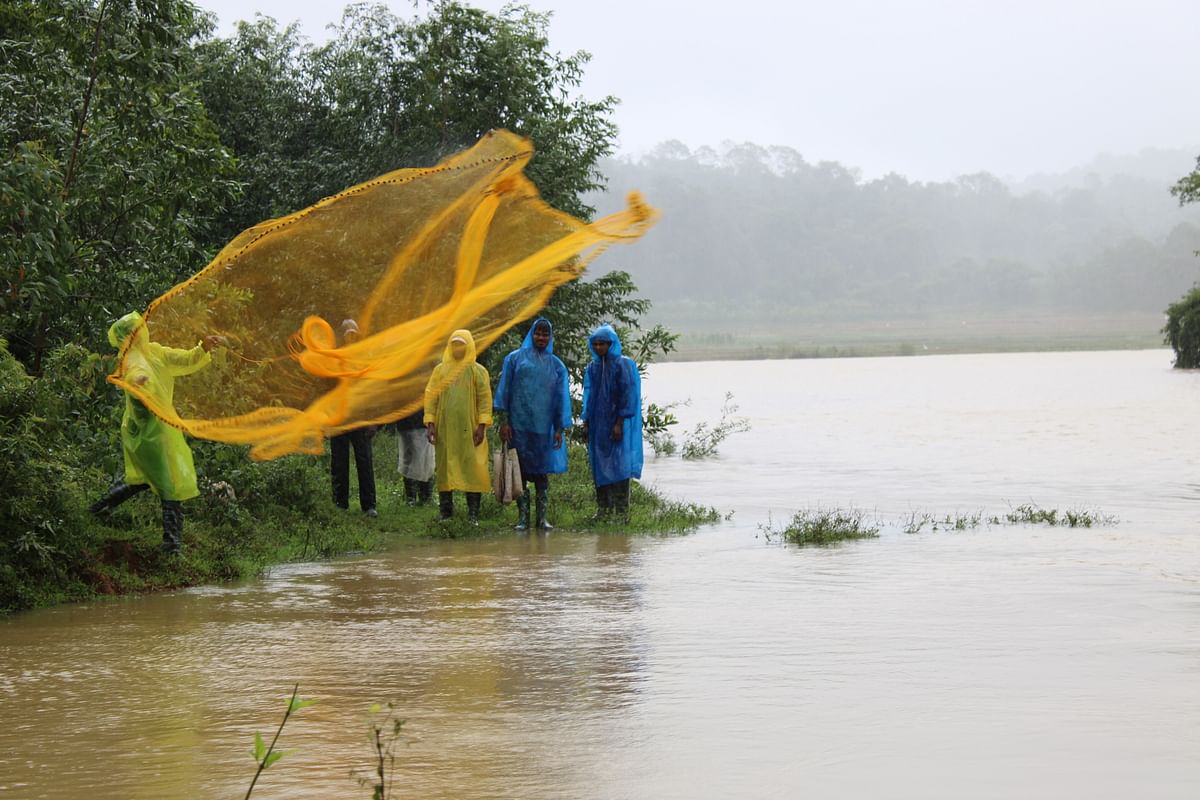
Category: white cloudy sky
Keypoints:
(926, 88)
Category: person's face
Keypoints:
(601, 347)
(541, 338)
(458, 349)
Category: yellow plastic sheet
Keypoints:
(411, 256)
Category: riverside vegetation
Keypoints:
(59, 442)
(825, 526)
(137, 143)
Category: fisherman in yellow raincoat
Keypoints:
(458, 409)
(156, 455)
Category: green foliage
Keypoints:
(42, 468)
(385, 731)
(822, 527)
(1187, 188)
(1182, 331)
(385, 93)
(135, 145)
(113, 177)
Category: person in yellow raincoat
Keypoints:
(458, 409)
(156, 455)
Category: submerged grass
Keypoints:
(822, 527)
(1024, 514)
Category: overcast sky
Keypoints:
(927, 88)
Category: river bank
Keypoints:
(289, 518)
(780, 335)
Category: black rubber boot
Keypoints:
(410, 491)
(116, 495)
(602, 504)
(446, 504)
(619, 500)
(473, 499)
(522, 512)
(424, 491)
(542, 496)
(172, 516)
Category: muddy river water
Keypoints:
(997, 662)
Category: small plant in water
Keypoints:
(384, 735)
(1025, 514)
(1030, 514)
(267, 755)
(704, 439)
(822, 526)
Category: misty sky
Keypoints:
(927, 88)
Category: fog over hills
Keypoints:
(750, 230)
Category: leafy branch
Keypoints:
(267, 755)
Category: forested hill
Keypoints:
(749, 229)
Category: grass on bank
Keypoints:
(822, 526)
(252, 515)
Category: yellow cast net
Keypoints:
(411, 256)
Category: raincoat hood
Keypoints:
(605, 333)
(528, 343)
(448, 354)
(120, 330)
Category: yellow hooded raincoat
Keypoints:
(155, 453)
(458, 397)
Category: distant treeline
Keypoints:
(751, 229)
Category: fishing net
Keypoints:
(411, 256)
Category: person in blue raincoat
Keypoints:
(612, 420)
(533, 402)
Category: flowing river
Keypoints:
(996, 662)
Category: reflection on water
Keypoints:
(1015, 662)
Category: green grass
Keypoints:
(825, 526)
(822, 527)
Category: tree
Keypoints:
(1187, 188)
(113, 176)
(306, 122)
(1182, 331)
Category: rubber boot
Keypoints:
(116, 495)
(522, 512)
(543, 525)
(172, 517)
(410, 491)
(473, 499)
(602, 504)
(619, 500)
(424, 491)
(446, 505)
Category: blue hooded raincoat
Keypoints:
(612, 390)
(534, 391)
